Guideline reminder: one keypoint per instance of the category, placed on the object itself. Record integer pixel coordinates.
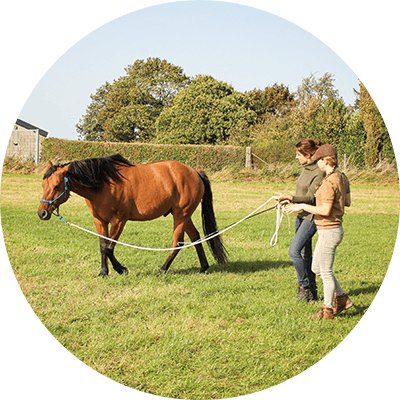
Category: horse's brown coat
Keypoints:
(145, 192)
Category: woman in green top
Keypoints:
(300, 250)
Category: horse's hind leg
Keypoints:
(194, 235)
(178, 237)
(168, 261)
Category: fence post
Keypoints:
(249, 158)
(37, 147)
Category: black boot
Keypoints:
(314, 294)
(302, 292)
(307, 294)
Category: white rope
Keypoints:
(279, 217)
(280, 212)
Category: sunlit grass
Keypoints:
(234, 331)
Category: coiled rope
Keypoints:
(280, 211)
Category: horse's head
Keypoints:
(55, 190)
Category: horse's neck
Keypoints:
(82, 191)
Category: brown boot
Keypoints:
(323, 313)
(342, 302)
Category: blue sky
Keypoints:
(244, 46)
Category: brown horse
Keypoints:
(117, 191)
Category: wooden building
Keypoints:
(25, 141)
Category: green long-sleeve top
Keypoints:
(306, 186)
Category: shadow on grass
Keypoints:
(358, 308)
(239, 267)
(364, 290)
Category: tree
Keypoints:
(331, 120)
(321, 89)
(204, 113)
(91, 126)
(272, 100)
(127, 109)
(320, 113)
(352, 140)
(303, 119)
(378, 143)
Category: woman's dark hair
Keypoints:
(308, 147)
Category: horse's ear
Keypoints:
(65, 169)
(49, 165)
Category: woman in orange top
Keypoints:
(332, 195)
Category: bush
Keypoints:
(274, 151)
(209, 158)
(13, 164)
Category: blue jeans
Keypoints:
(300, 251)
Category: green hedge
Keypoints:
(209, 158)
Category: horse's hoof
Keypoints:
(123, 271)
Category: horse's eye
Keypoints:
(56, 187)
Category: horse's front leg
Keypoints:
(102, 229)
(107, 247)
(115, 232)
(104, 258)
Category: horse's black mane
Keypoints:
(93, 172)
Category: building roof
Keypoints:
(31, 127)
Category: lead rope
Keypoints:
(280, 210)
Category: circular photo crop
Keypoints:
(199, 200)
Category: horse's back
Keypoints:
(166, 171)
(161, 187)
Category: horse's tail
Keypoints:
(209, 222)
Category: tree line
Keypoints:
(155, 102)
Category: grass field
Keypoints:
(234, 331)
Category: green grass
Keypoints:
(231, 332)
